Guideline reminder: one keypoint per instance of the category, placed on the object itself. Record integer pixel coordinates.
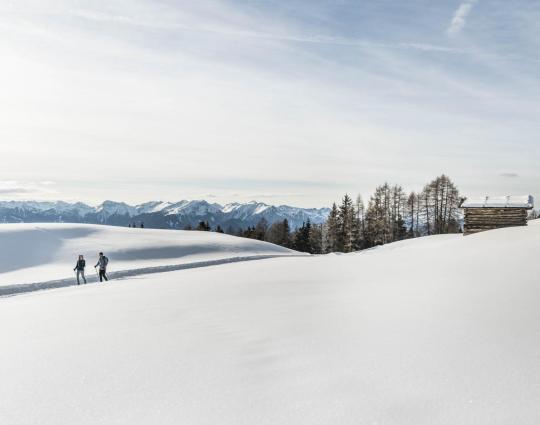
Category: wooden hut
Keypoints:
(494, 212)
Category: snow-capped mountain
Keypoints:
(158, 214)
(111, 208)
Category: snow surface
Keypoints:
(437, 330)
(33, 253)
(524, 201)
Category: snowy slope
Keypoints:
(37, 253)
(438, 330)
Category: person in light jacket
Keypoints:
(102, 263)
(79, 267)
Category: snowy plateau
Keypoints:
(435, 330)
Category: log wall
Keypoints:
(480, 219)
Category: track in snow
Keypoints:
(17, 289)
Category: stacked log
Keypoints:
(481, 219)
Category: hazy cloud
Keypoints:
(17, 189)
(460, 17)
(13, 190)
(510, 175)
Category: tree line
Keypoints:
(393, 215)
(390, 215)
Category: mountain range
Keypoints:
(158, 214)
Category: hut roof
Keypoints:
(524, 201)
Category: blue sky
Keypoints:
(283, 101)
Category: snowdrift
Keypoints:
(439, 330)
(31, 253)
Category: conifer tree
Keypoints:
(346, 219)
(204, 226)
(286, 234)
(413, 215)
(261, 229)
(399, 230)
(331, 230)
(377, 217)
(359, 224)
(439, 205)
(316, 239)
(279, 233)
(302, 241)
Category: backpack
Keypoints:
(105, 261)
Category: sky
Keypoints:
(286, 102)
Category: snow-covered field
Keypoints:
(36, 253)
(438, 330)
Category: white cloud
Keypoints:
(142, 100)
(460, 17)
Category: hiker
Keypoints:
(102, 263)
(79, 267)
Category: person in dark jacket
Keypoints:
(79, 267)
(102, 263)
